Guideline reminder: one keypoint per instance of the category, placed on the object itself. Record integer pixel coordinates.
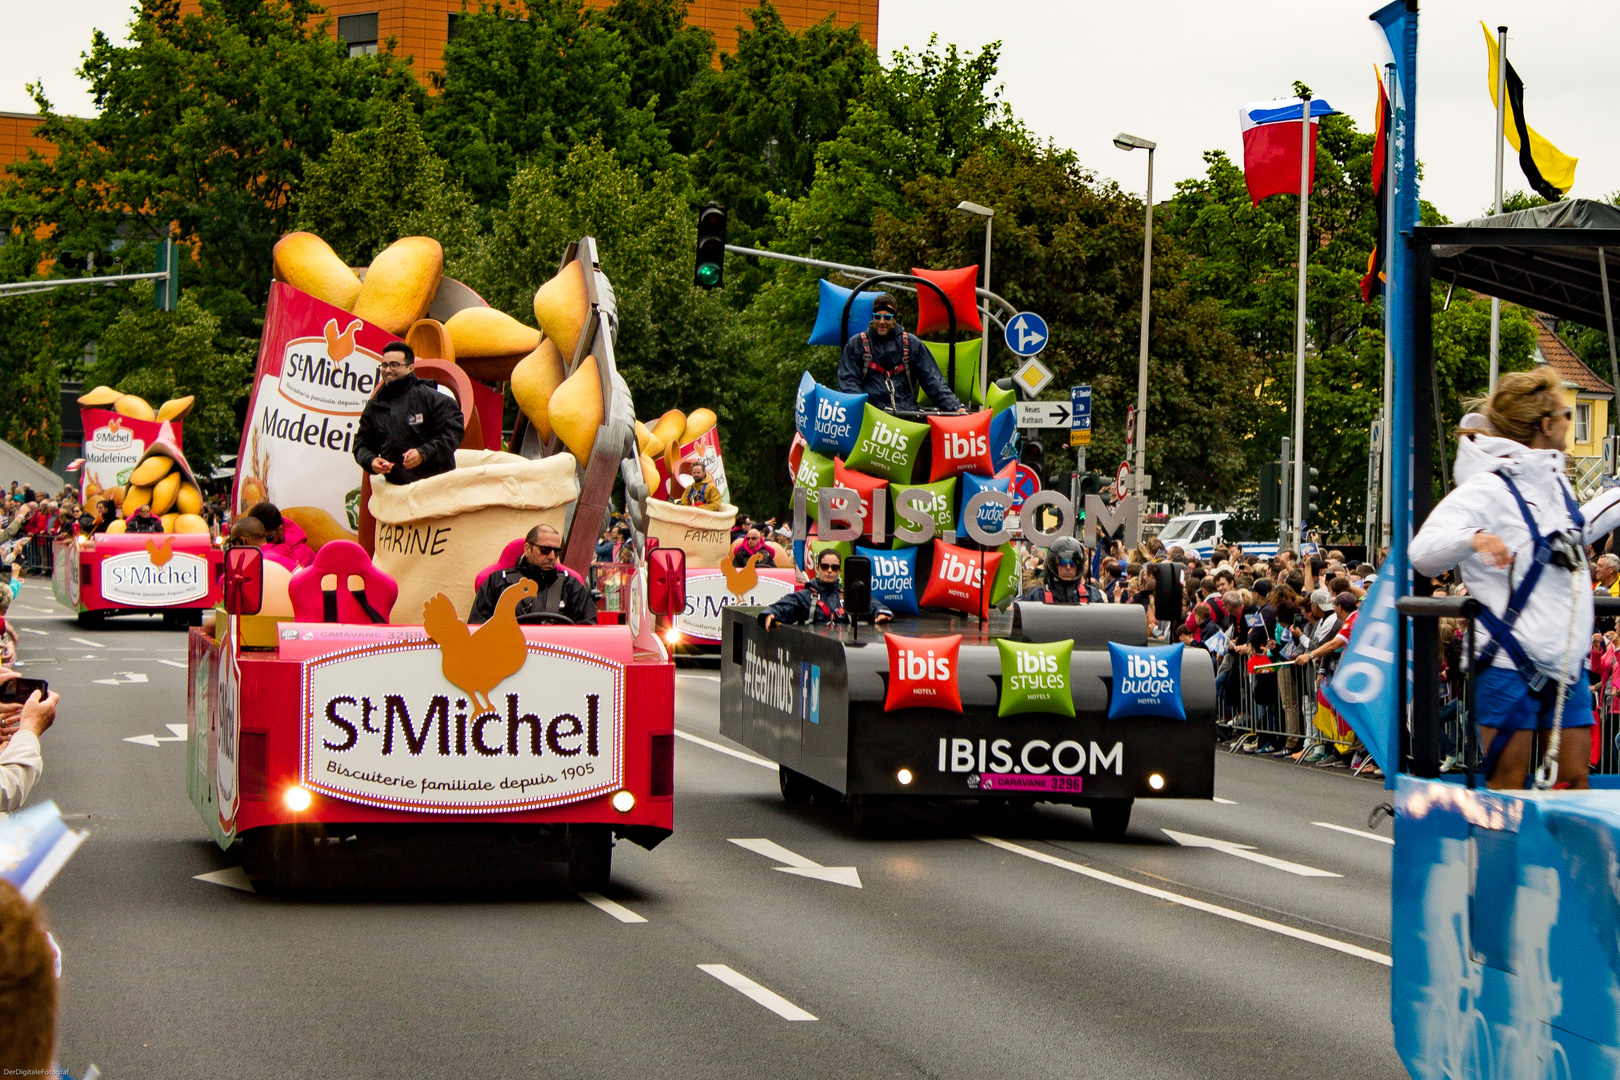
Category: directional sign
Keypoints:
(1080, 408)
(1026, 334)
(1043, 414)
(1032, 376)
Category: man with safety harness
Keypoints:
(559, 591)
(1065, 577)
(885, 363)
(1516, 533)
(820, 601)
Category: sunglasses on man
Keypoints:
(883, 316)
(546, 549)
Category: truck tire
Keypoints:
(797, 788)
(1110, 818)
(590, 861)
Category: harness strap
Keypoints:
(1500, 627)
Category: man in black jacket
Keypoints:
(820, 601)
(559, 591)
(1065, 576)
(885, 363)
(408, 431)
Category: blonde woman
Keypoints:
(1516, 534)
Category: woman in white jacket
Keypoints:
(1516, 532)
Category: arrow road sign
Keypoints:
(1043, 414)
(801, 866)
(1246, 851)
(1026, 334)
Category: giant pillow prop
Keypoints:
(1008, 576)
(804, 405)
(1147, 681)
(1035, 677)
(887, 446)
(941, 505)
(960, 579)
(870, 488)
(990, 515)
(814, 473)
(965, 384)
(922, 673)
(959, 286)
(894, 578)
(1003, 439)
(960, 444)
(836, 421)
(830, 313)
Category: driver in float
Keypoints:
(559, 591)
(1065, 576)
(1515, 531)
(821, 600)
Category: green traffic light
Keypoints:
(708, 273)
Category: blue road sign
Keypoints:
(1026, 333)
(1080, 415)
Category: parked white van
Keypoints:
(1202, 533)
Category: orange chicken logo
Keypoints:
(115, 424)
(339, 346)
(476, 661)
(160, 555)
(740, 580)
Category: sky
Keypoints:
(1173, 71)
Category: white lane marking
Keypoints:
(31, 630)
(1223, 802)
(773, 1001)
(738, 754)
(1187, 901)
(87, 641)
(695, 675)
(231, 877)
(143, 740)
(130, 678)
(174, 663)
(799, 865)
(1354, 832)
(1246, 851)
(613, 908)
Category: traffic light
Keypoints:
(1033, 454)
(711, 248)
(1091, 484)
(1270, 491)
(1311, 491)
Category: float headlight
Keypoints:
(624, 801)
(1156, 782)
(297, 799)
(904, 776)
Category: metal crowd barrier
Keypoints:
(1272, 706)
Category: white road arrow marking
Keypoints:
(750, 989)
(174, 663)
(231, 877)
(1224, 802)
(143, 740)
(130, 678)
(801, 866)
(1246, 851)
(87, 641)
(177, 733)
(613, 908)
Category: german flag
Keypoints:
(1551, 172)
(1373, 284)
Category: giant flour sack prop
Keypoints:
(705, 535)
(435, 535)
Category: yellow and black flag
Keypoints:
(1551, 172)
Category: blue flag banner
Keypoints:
(1363, 689)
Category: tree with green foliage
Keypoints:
(168, 354)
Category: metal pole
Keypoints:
(1282, 503)
(1374, 452)
(1501, 126)
(19, 288)
(1142, 357)
(1299, 318)
(1608, 323)
(984, 331)
(1389, 335)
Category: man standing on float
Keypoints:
(880, 360)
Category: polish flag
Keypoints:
(1271, 145)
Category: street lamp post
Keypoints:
(984, 320)
(1132, 142)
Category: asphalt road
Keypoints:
(975, 946)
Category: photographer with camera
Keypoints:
(22, 722)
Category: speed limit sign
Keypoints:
(1122, 482)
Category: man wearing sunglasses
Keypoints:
(408, 431)
(560, 591)
(821, 600)
(885, 363)
(1065, 576)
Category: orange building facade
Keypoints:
(17, 138)
(421, 27)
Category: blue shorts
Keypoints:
(1503, 700)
